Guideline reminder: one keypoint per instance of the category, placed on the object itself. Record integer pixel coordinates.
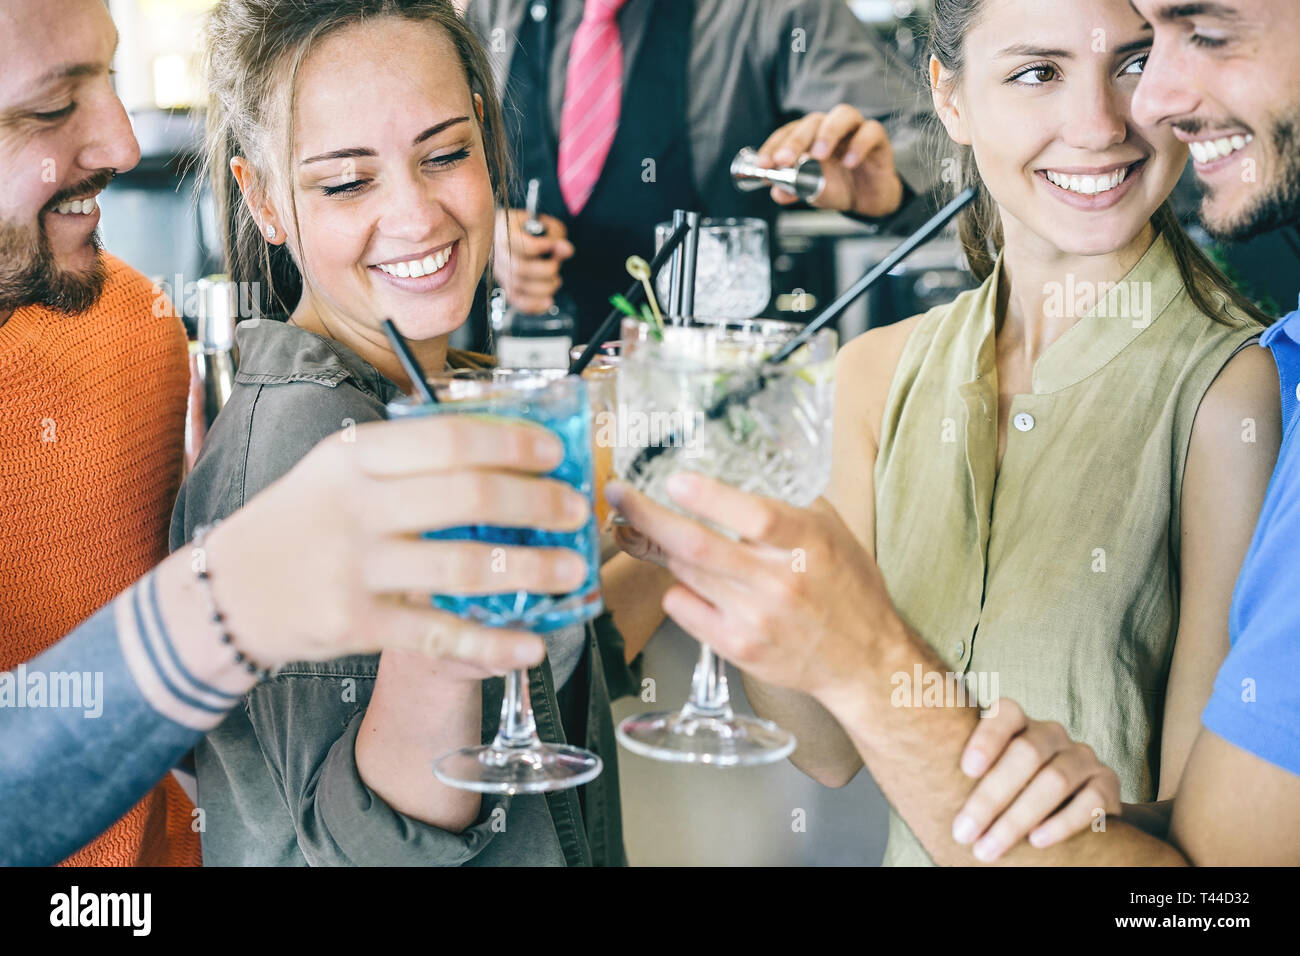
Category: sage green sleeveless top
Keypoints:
(1057, 576)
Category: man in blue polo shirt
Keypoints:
(1224, 77)
(1256, 700)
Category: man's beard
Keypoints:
(29, 274)
(1277, 207)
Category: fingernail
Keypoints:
(987, 850)
(526, 653)
(820, 149)
(850, 160)
(963, 829)
(614, 493)
(1038, 839)
(575, 507)
(973, 763)
(547, 448)
(785, 155)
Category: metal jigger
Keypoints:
(805, 179)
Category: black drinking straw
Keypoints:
(409, 362)
(634, 295)
(752, 384)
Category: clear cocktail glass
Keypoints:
(776, 443)
(733, 268)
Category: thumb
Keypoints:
(555, 228)
(632, 541)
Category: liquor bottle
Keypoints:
(213, 361)
(525, 340)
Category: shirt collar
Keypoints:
(274, 352)
(1126, 310)
(1287, 325)
(1129, 308)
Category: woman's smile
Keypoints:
(1091, 189)
(422, 273)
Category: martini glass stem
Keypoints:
(710, 696)
(517, 729)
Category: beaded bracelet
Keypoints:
(219, 619)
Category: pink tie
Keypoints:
(593, 95)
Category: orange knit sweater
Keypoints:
(92, 430)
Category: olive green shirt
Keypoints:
(1057, 576)
(277, 780)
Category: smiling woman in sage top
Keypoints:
(1058, 473)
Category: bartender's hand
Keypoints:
(1034, 781)
(528, 267)
(855, 154)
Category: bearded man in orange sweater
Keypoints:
(93, 375)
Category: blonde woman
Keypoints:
(357, 150)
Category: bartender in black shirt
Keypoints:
(700, 79)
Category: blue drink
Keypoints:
(517, 761)
(561, 406)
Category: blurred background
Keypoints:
(154, 220)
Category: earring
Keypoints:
(270, 232)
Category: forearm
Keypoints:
(913, 753)
(634, 592)
(342, 821)
(151, 686)
(415, 716)
(824, 750)
(185, 609)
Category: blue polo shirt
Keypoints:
(1256, 699)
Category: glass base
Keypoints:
(538, 769)
(727, 741)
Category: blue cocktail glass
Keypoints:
(517, 761)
